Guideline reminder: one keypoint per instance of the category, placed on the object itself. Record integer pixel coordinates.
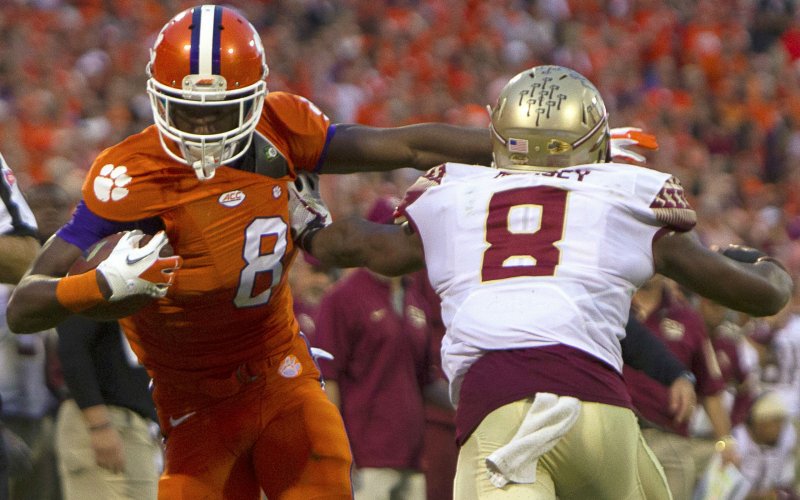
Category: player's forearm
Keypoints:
(357, 148)
(16, 255)
(760, 288)
(435, 144)
(33, 306)
(354, 242)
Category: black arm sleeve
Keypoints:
(77, 336)
(643, 350)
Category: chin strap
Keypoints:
(205, 168)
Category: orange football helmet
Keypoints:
(206, 82)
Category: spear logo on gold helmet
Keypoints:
(549, 117)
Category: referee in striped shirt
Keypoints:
(18, 247)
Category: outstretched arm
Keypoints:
(354, 242)
(358, 148)
(757, 286)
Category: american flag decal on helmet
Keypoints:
(204, 56)
(518, 145)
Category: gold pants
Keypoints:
(603, 456)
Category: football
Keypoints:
(96, 254)
(100, 251)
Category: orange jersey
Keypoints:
(230, 302)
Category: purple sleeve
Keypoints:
(324, 155)
(85, 228)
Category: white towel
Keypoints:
(548, 419)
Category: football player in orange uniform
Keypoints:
(238, 394)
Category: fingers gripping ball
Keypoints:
(100, 251)
(137, 268)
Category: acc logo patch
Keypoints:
(231, 198)
(109, 185)
(290, 367)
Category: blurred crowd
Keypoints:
(717, 82)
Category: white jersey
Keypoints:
(15, 215)
(524, 259)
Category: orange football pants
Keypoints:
(279, 434)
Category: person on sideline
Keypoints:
(681, 329)
(18, 247)
(107, 439)
(767, 440)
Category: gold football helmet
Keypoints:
(549, 117)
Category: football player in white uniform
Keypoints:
(535, 260)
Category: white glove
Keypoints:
(306, 208)
(131, 270)
(623, 137)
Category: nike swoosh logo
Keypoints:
(131, 262)
(175, 422)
